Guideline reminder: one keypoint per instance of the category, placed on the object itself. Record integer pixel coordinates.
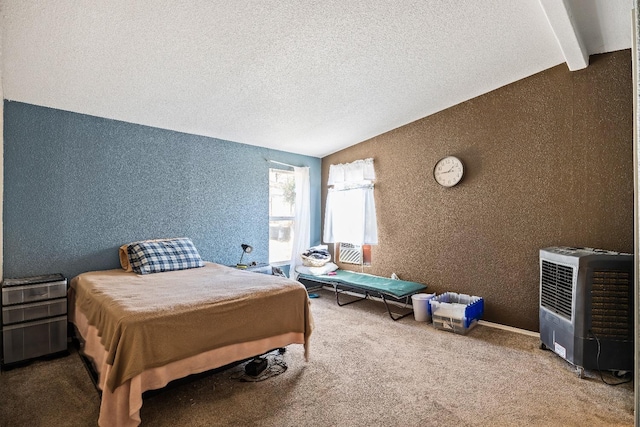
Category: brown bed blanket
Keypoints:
(147, 321)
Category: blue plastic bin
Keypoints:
(455, 312)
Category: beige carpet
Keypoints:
(365, 370)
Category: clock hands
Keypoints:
(450, 176)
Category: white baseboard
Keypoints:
(509, 328)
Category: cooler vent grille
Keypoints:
(611, 305)
(556, 284)
(350, 253)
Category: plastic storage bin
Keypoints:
(456, 312)
(33, 311)
(30, 293)
(34, 317)
(33, 339)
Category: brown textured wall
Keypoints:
(548, 161)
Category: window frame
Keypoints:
(275, 218)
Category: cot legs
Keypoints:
(338, 292)
(366, 295)
(398, 316)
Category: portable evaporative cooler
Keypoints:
(586, 307)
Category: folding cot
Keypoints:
(383, 287)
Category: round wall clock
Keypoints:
(448, 171)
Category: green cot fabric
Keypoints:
(369, 282)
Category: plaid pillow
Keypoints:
(156, 256)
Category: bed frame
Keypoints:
(369, 285)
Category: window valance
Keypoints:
(358, 172)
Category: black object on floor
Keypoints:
(256, 366)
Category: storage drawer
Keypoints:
(28, 340)
(32, 311)
(31, 293)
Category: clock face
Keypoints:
(448, 171)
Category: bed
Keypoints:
(142, 331)
(383, 287)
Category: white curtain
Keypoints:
(302, 223)
(350, 211)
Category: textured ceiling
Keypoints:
(309, 77)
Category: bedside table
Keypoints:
(34, 317)
(263, 268)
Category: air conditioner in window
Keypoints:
(350, 253)
(586, 307)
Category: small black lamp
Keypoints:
(245, 250)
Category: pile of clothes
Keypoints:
(316, 256)
(316, 261)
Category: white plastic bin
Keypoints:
(420, 304)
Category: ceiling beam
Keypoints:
(560, 18)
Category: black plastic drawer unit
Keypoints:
(34, 317)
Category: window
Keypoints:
(350, 209)
(282, 200)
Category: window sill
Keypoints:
(280, 263)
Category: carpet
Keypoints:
(364, 370)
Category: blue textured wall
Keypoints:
(77, 187)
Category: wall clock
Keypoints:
(448, 171)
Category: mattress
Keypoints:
(135, 325)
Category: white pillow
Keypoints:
(317, 271)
